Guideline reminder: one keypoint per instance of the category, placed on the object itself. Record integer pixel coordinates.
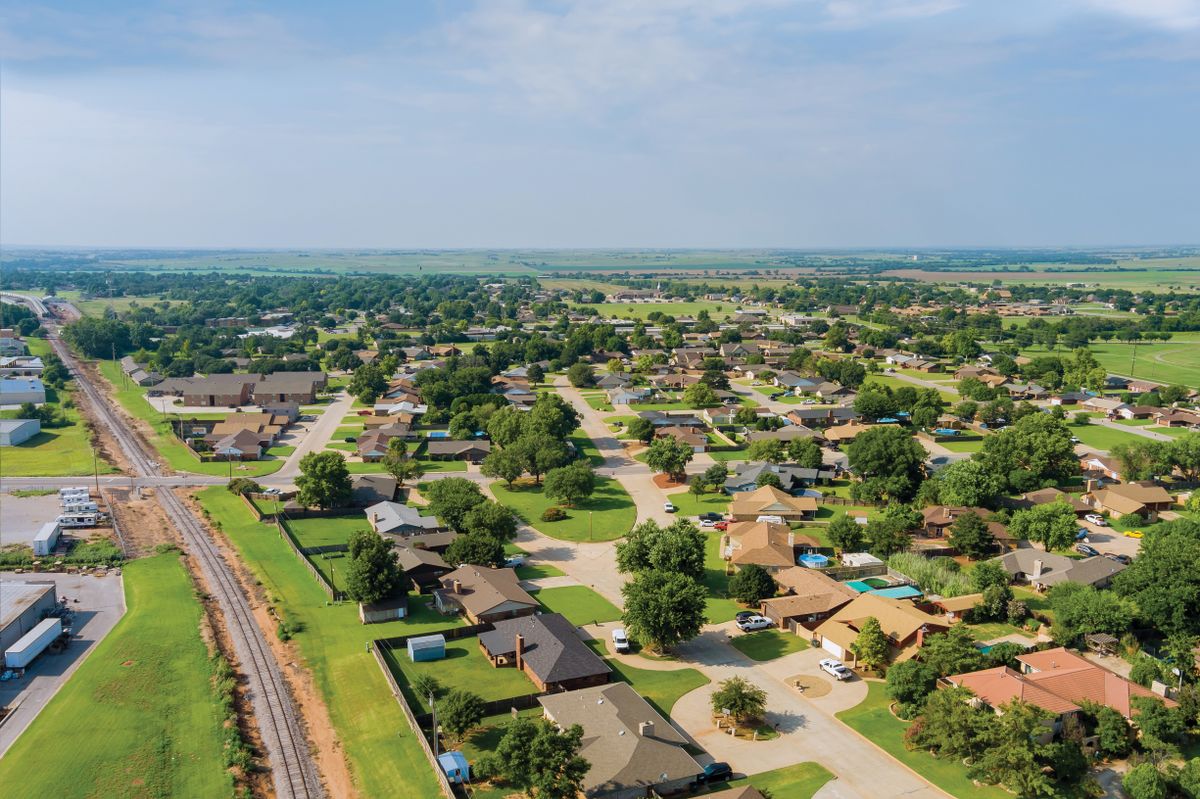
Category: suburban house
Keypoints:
(1056, 680)
(1044, 570)
(1122, 499)
(233, 390)
(840, 434)
(244, 445)
(548, 649)
(696, 441)
(422, 567)
(767, 544)
(786, 433)
(1109, 406)
(473, 451)
(952, 607)
(397, 519)
(770, 501)
(372, 445)
(904, 625)
(792, 478)
(813, 597)
(633, 750)
(1100, 466)
(628, 395)
(484, 595)
(1047, 495)
(1178, 418)
(938, 521)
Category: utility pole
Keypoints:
(96, 469)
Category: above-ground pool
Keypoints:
(813, 561)
(438, 434)
(946, 431)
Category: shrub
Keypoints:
(1145, 671)
(553, 514)
(243, 485)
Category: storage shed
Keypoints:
(455, 766)
(18, 431)
(384, 610)
(427, 647)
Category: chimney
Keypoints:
(920, 637)
(1037, 569)
(646, 729)
(457, 587)
(519, 650)
(791, 538)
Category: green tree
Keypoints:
(1163, 581)
(1145, 781)
(1156, 721)
(871, 645)
(324, 480)
(535, 373)
(475, 548)
(1142, 460)
(1037, 445)
(1014, 756)
(399, 466)
(492, 519)
(751, 585)
(952, 652)
(1081, 610)
(506, 425)
(580, 375)
(1113, 733)
(742, 699)
(663, 608)
(1189, 778)
(889, 461)
(767, 449)
(1184, 454)
(845, 534)
(669, 456)
(450, 498)
(700, 395)
(551, 416)
(571, 484)
(542, 452)
(1053, 525)
(678, 548)
(969, 483)
(373, 573)
(804, 452)
(557, 769)
(506, 464)
(768, 479)
(460, 712)
(951, 724)
(640, 429)
(909, 683)
(367, 383)
(970, 535)
(987, 574)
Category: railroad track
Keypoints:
(293, 771)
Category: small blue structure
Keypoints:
(427, 647)
(455, 766)
(813, 560)
(946, 431)
(899, 592)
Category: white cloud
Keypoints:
(1177, 15)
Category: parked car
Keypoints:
(745, 614)
(1081, 534)
(1125, 559)
(722, 526)
(669, 507)
(513, 561)
(836, 669)
(1133, 533)
(1096, 519)
(707, 524)
(1084, 549)
(715, 772)
(711, 516)
(620, 641)
(754, 623)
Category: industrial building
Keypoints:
(18, 431)
(22, 606)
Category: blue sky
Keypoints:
(638, 123)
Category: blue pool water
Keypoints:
(946, 431)
(859, 586)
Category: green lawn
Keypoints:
(996, 629)
(718, 607)
(1100, 437)
(610, 510)
(896, 382)
(54, 452)
(727, 455)
(173, 451)
(661, 689)
(691, 505)
(875, 722)
(800, 781)
(580, 604)
(598, 402)
(962, 446)
(642, 310)
(768, 644)
(1038, 603)
(466, 667)
(586, 447)
(385, 759)
(1173, 361)
(139, 714)
(323, 532)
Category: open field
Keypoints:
(607, 514)
(893, 382)
(139, 717)
(1131, 273)
(97, 306)
(642, 310)
(874, 721)
(385, 760)
(1105, 438)
(173, 451)
(55, 451)
(1174, 361)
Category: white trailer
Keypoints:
(46, 539)
(79, 520)
(80, 507)
(33, 643)
(65, 494)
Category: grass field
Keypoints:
(466, 667)
(97, 306)
(718, 607)
(385, 759)
(800, 781)
(691, 505)
(608, 514)
(968, 445)
(139, 715)
(893, 382)
(586, 447)
(642, 310)
(54, 452)
(768, 644)
(875, 722)
(580, 604)
(661, 689)
(1101, 437)
(173, 451)
(1173, 361)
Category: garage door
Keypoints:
(832, 648)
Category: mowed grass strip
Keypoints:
(580, 604)
(768, 644)
(607, 514)
(385, 758)
(874, 721)
(54, 452)
(662, 689)
(138, 718)
(799, 781)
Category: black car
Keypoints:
(744, 614)
(1084, 549)
(711, 516)
(1123, 559)
(715, 772)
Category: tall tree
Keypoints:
(1053, 525)
(751, 585)
(460, 712)
(871, 645)
(889, 462)
(740, 698)
(846, 535)
(571, 484)
(324, 480)
(373, 572)
(970, 535)
(663, 608)
(678, 548)
(669, 455)
(451, 498)
(492, 519)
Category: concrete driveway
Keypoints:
(1106, 539)
(314, 439)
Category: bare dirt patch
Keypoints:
(810, 685)
(141, 520)
(665, 481)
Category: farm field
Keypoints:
(97, 306)
(332, 643)
(146, 697)
(642, 310)
(1174, 361)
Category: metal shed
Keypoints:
(427, 647)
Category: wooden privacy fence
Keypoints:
(286, 534)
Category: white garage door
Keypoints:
(832, 648)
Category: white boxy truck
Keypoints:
(33, 643)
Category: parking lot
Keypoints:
(24, 516)
(101, 603)
(1108, 540)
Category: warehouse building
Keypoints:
(22, 606)
(18, 431)
(16, 390)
